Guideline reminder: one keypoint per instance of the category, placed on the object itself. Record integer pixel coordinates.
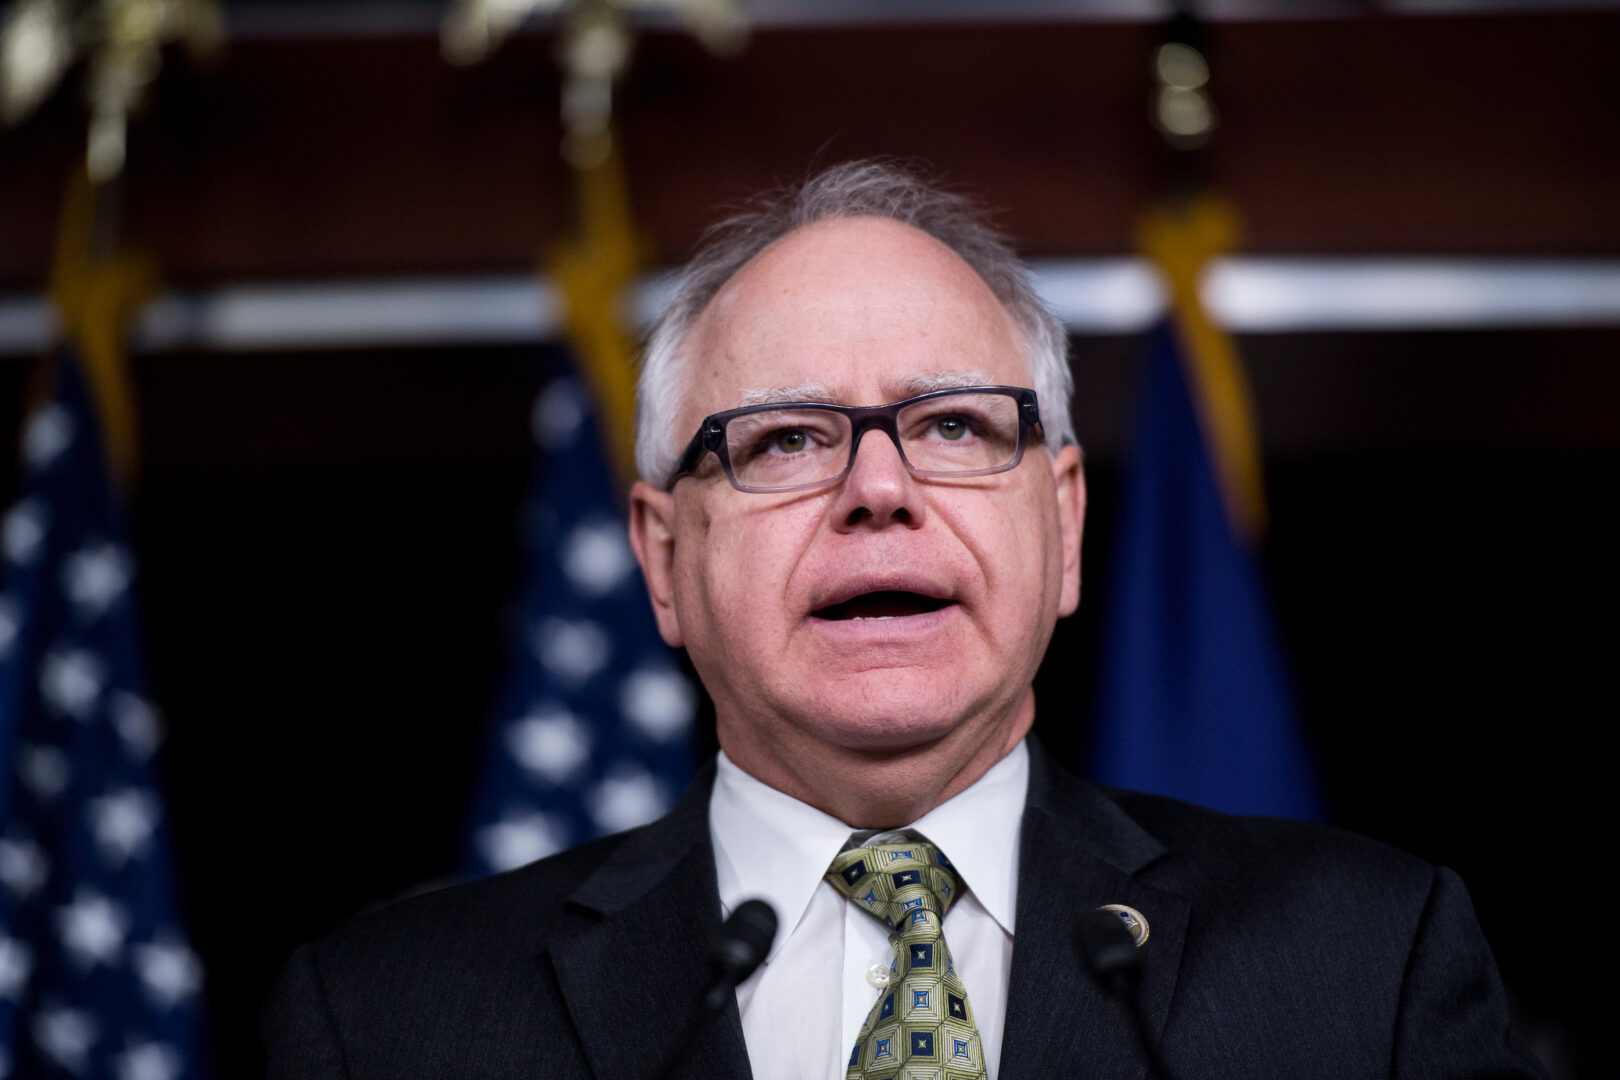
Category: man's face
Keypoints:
(884, 612)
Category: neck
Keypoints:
(887, 789)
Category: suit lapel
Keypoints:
(636, 957)
(1080, 851)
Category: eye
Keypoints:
(952, 427)
(789, 440)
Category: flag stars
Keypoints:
(137, 723)
(520, 838)
(628, 796)
(16, 964)
(148, 1061)
(571, 649)
(551, 743)
(170, 972)
(71, 681)
(558, 413)
(660, 702)
(10, 625)
(66, 1036)
(95, 576)
(122, 823)
(49, 431)
(45, 770)
(596, 557)
(23, 531)
(23, 866)
(92, 928)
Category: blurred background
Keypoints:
(354, 293)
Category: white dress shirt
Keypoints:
(802, 1010)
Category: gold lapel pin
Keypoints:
(1134, 921)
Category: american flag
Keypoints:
(97, 979)
(592, 730)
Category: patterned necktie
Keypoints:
(922, 1025)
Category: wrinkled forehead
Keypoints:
(860, 311)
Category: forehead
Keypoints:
(864, 307)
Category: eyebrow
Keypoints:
(912, 385)
(945, 380)
(781, 395)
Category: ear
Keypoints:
(1070, 481)
(652, 536)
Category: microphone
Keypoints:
(1113, 959)
(1110, 952)
(738, 948)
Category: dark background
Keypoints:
(327, 538)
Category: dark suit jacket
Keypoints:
(1277, 950)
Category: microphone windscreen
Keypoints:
(744, 939)
(1109, 950)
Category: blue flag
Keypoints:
(97, 979)
(1195, 699)
(592, 730)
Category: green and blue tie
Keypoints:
(922, 1024)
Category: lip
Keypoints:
(860, 586)
(894, 630)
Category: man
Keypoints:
(861, 515)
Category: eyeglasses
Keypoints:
(973, 431)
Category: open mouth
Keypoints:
(885, 604)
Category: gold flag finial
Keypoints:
(594, 48)
(596, 267)
(123, 39)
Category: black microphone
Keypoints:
(738, 948)
(1113, 959)
(1110, 952)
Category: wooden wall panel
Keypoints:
(346, 156)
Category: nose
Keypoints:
(879, 490)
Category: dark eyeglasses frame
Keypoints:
(711, 435)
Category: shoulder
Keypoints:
(438, 982)
(1294, 922)
(1213, 856)
(520, 912)
(487, 915)
(1219, 846)
(1276, 877)
(1321, 896)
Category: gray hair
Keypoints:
(854, 189)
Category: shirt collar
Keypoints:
(768, 845)
(772, 846)
(978, 828)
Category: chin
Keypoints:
(889, 718)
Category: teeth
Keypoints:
(872, 618)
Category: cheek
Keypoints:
(1015, 544)
(732, 581)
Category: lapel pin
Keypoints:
(1134, 921)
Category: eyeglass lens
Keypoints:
(952, 433)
